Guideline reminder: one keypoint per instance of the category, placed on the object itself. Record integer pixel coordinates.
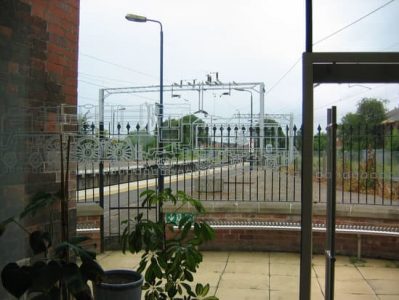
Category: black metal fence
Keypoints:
(226, 163)
(233, 163)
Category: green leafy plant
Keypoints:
(52, 275)
(171, 254)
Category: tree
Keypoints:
(392, 140)
(189, 133)
(144, 139)
(273, 134)
(187, 124)
(320, 141)
(364, 126)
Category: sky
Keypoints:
(242, 40)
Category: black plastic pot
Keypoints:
(119, 285)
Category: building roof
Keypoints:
(392, 116)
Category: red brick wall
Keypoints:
(38, 69)
(95, 236)
(289, 241)
(39, 51)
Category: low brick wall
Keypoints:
(89, 223)
(289, 241)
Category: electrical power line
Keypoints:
(99, 78)
(117, 65)
(284, 75)
(352, 23)
(349, 98)
(324, 39)
(91, 83)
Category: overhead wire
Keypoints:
(352, 23)
(117, 65)
(283, 76)
(326, 38)
(104, 78)
(91, 83)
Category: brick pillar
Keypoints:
(38, 72)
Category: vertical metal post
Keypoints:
(307, 161)
(161, 180)
(331, 202)
(309, 26)
(291, 140)
(251, 145)
(101, 165)
(306, 178)
(261, 119)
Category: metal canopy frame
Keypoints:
(330, 67)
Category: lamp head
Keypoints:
(135, 18)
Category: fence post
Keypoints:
(101, 165)
(331, 202)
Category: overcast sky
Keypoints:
(243, 40)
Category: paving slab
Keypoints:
(284, 283)
(340, 296)
(382, 263)
(340, 260)
(359, 286)
(384, 286)
(341, 272)
(247, 267)
(212, 267)
(242, 294)
(255, 257)
(289, 295)
(215, 256)
(284, 269)
(289, 283)
(244, 281)
(379, 273)
(206, 277)
(284, 258)
(388, 297)
(263, 275)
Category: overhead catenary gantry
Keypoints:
(192, 86)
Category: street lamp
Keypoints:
(142, 19)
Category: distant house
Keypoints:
(392, 118)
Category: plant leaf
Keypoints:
(45, 276)
(38, 201)
(73, 279)
(39, 241)
(16, 280)
(91, 270)
(3, 225)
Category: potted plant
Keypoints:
(52, 272)
(170, 249)
(121, 284)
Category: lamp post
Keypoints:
(142, 19)
(251, 128)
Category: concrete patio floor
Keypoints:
(275, 275)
